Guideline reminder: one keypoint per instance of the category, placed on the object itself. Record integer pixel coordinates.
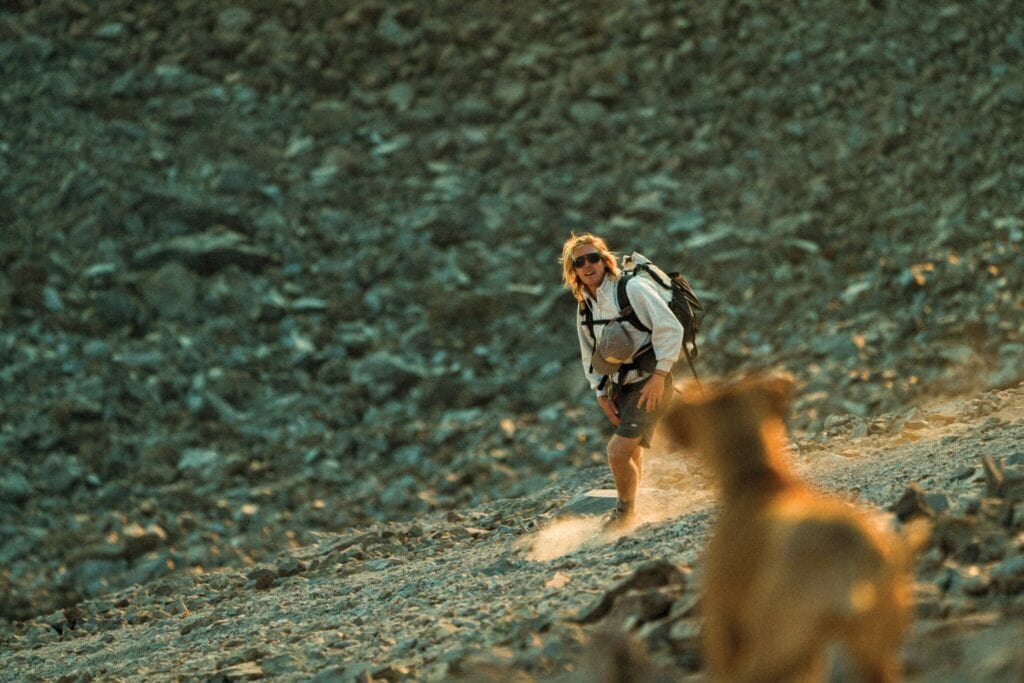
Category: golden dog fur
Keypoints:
(789, 572)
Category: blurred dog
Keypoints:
(789, 572)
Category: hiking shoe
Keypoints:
(618, 519)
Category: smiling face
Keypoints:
(596, 262)
(589, 273)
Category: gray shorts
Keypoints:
(636, 421)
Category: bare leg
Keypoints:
(623, 457)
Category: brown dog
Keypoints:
(789, 571)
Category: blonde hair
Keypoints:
(569, 277)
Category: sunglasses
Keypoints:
(592, 257)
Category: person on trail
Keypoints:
(634, 394)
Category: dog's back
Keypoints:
(788, 570)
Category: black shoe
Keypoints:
(619, 519)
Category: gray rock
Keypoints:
(6, 292)
(15, 488)
(687, 222)
(510, 93)
(913, 503)
(98, 576)
(110, 31)
(116, 308)
(206, 252)
(382, 374)
(202, 462)
(399, 492)
(263, 577)
(52, 300)
(173, 78)
(149, 569)
(237, 178)
(389, 30)
(938, 502)
(474, 110)
(333, 674)
(1008, 574)
(328, 116)
(170, 293)
(61, 473)
(834, 422)
(653, 574)
(588, 112)
(234, 21)
(400, 96)
(181, 110)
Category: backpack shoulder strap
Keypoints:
(588, 322)
(626, 311)
(587, 314)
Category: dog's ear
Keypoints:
(777, 388)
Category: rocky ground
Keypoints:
(512, 590)
(270, 270)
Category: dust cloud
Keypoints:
(673, 485)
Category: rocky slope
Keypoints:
(269, 269)
(513, 590)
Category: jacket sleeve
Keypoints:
(586, 353)
(666, 330)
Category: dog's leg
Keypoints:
(722, 649)
(873, 648)
(782, 654)
(880, 669)
(784, 628)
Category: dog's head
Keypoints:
(729, 405)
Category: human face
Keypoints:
(590, 274)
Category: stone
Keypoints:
(203, 462)
(637, 608)
(206, 253)
(139, 540)
(400, 96)
(510, 93)
(588, 112)
(234, 21)
(382, 374)
(171, 292)
(263, 578)
(15, 488)
(655, 574)
(116, 308)
(237, 179)
(60, 473)
(6, 294)
(474, 110)
(912, 503)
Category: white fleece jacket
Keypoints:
(666, 336)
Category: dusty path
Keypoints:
(501, 590)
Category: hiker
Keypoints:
(635, 394)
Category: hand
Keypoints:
(610, 411)
(651, 393)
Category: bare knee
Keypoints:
(622, 450)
